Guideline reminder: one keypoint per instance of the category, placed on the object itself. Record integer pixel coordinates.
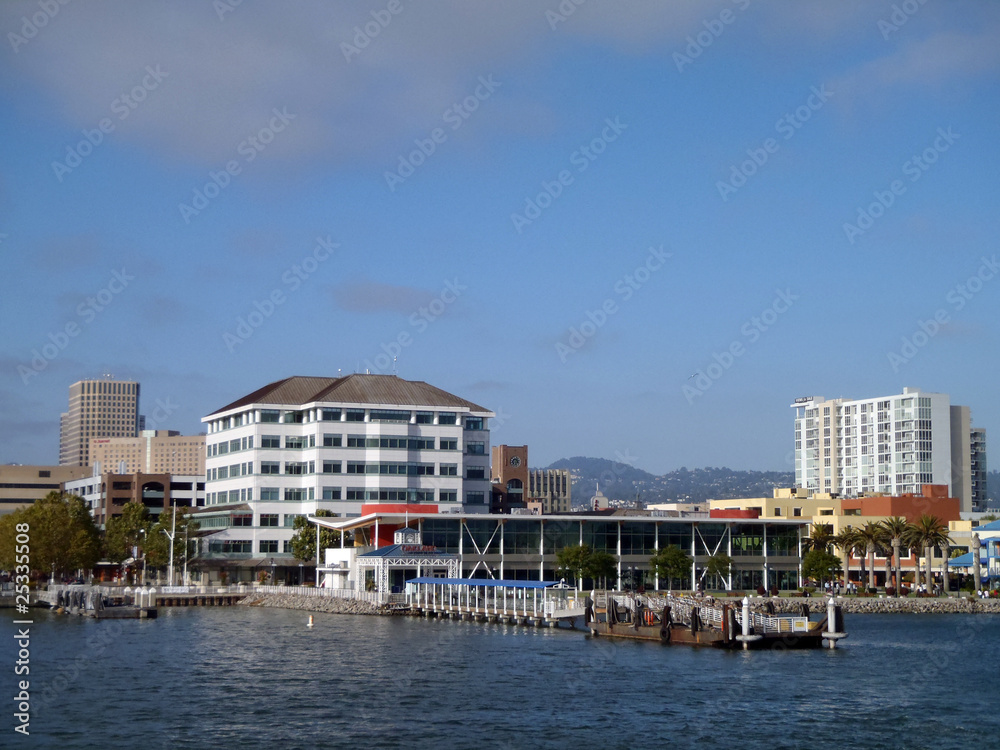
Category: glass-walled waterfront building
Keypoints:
(524, 547)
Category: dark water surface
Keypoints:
(237, 677)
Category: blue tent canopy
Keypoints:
(966, 561)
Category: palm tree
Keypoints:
(926, 534)
(870, 537)
(895, 528)
(848, 541)
(820, 539)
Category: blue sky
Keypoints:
(635, 232)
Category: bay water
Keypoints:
(244, 677)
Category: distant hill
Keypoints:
(620, 481)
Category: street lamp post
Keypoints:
(170, 535)
(185, 581)
(273, 582)
(301, 573)
(142, 532)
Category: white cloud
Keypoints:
(224, 77)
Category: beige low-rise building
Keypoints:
(841, 513)
(786, 502)
(20, 486)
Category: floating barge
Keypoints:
(703, 622)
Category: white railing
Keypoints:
(680, 608)
(372, 597)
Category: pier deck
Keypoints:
(541, 603)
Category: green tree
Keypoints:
(820, 565)
(601, 565)
(129, 530)
(156, 545)
(62, 532)
(8, 539)
(670, 562)
(572, 562)
(719, 566)
(303, 543)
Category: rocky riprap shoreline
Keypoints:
(782, 605)
(316, 604)
(885, 605)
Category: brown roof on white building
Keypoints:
(388, 390)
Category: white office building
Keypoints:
(303, 444)
(890, 444)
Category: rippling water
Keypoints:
(256, 678)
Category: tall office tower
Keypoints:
(890, 444)
(98, 408)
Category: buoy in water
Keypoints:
(310, 623)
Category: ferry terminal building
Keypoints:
(524, 547)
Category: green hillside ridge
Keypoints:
(621, 481)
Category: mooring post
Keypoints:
(831, 620)
(834, 632)
(745, 638)
(746, 623)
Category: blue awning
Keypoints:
(966, 561)
(490, 582)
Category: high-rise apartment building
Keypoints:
(99, 408)
(153, 452)
(348, 445)
(977, 463)
(890, 444)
